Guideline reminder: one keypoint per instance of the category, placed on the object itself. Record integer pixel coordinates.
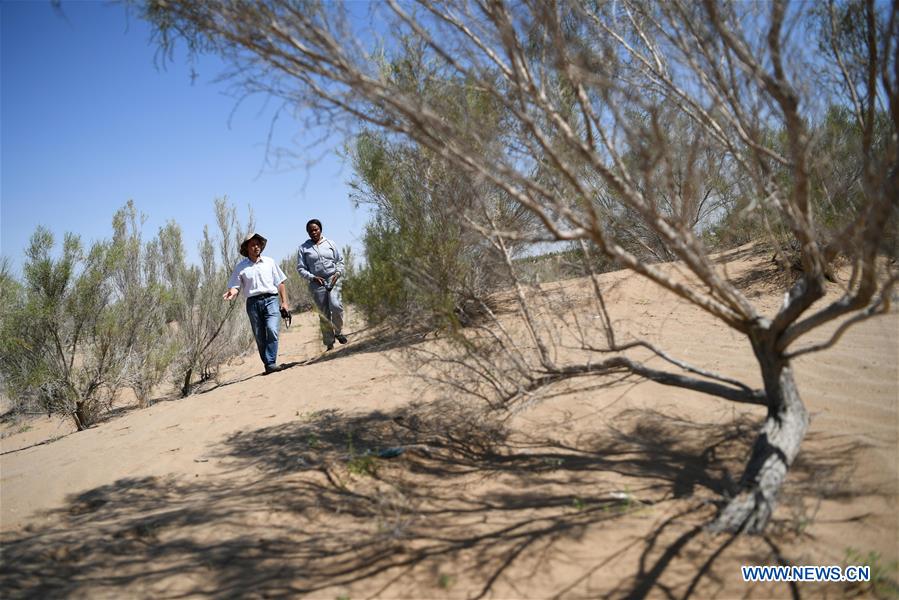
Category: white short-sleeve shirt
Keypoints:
(255, 278)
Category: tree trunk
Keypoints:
(186, 388)
(80, 416)
(774, 449)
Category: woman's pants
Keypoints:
(330, 310)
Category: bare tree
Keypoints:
(595, 97)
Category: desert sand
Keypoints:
(272, 486)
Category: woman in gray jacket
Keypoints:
(319, 262)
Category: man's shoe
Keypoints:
(341, 338)
(273, 369)
(330, 347)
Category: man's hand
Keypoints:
(230, 293)
(319, 280)
(334, 279)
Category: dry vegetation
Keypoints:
(598, 488)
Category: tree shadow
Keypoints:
(708, 458)
(748, 251)
(10, 416)
(222, 384)
(378, 339)
(308, 507)
(763, 278)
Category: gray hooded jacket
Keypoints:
(319, 260)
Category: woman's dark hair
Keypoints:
(316, 222)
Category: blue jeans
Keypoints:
(265, 317)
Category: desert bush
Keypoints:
(838, 142)
(208, 331)
(142, 303)
(425, 265)
(64, 345)
(11, 299)
(561, 264)
(380, 290)
(85, 324)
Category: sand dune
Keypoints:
(271, 486)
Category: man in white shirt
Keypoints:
(261, 281)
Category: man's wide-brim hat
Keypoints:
(243, 244)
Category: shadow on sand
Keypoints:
(307, 507)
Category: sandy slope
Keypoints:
(262, 487)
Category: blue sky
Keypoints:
(88, 121)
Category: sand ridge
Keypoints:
(271, 486)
